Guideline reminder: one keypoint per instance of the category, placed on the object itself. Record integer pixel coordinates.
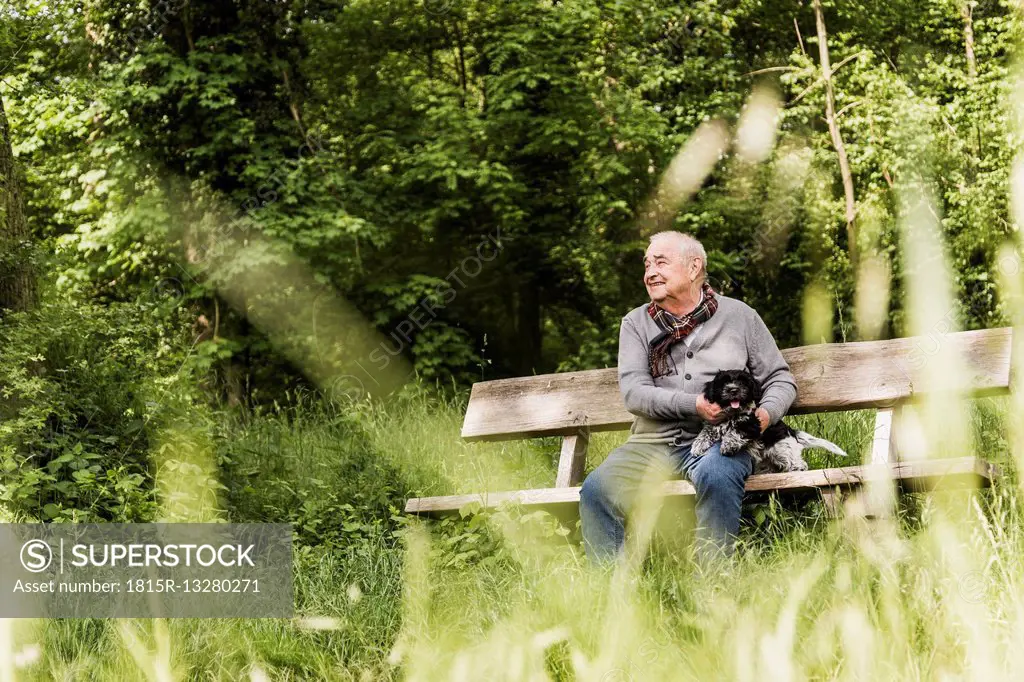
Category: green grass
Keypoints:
(933, 593)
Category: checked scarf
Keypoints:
(675, 329)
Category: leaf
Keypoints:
(470, 508)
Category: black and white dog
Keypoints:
(779, 448)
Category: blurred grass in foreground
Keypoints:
(806, 597)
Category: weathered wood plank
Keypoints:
(882, 444)
(830, 377)
(572, 460)
(922, 475)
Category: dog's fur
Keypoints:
(779, 448)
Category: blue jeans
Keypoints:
(609, 492)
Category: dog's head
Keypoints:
(736, 391)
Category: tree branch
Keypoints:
(848, 107)
(820, 81)
(770, 69)
(833, 128)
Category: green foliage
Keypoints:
(493, 538)
(313, 469)
(77, 388)
(489, 160)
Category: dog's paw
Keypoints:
(700, 446)
(733, 442)
(703, 442)
(728, 448)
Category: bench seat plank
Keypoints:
(970, 472)
(830, 377)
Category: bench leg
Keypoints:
(832, 502)
(572, 460)
(880, 504)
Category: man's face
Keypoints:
(668, 274)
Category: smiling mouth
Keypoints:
(735, 404)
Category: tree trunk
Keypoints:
(17, 280)
(833, 129)
(966, 10)
(461, 66)
(528, 333)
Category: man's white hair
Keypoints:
(688, 246)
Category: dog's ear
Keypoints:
(755, 387)
(709, 390)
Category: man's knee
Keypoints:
(721, 474)
(604, 486)
(591, 488)
(624, 473)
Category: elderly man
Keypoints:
(668, 349)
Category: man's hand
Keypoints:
(763, 417)
(709, 411)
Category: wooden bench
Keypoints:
(830, 378)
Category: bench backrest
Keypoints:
(830, 377)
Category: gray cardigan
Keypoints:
(666, 408)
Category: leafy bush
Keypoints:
(78, 386)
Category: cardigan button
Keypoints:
(687, 377)
(689, 353)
